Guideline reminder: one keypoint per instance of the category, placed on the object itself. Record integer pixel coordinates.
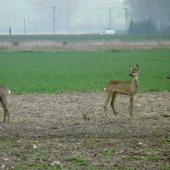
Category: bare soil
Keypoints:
(48, 131)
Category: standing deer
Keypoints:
(168, 77)
(123, 87)
(4, 93)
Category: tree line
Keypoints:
(149, 16)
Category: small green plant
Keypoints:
(91, 112)
(84, 164)
(149, 150)
(108, 153)
(19, 132)
(8, 150)
(67, 143)
(134, 157)
(40, 156)
(93, 139)
(153, 158)
(14, 144)
(17, 167)
(79, 160)
(80, 150)
(158, 149)
(106, 135)
(167, 140)
(165, 115)
(156, 131)
(124, 132)
(113, 148)
(11, 136)
(35, 142)
(76, 159)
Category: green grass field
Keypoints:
(59, 71)
(88, 37)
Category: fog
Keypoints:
(61, 16)
(84, 16)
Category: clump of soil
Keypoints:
(53, 130)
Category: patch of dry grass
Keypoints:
(89, 45)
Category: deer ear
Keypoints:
(137, 67)
(130, 67)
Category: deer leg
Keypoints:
(131, 105)
(5, 108)
(113, 101)
(4, 116)
(109, 95)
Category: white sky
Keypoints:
(13, 11)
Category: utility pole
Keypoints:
(9, 30)
(24, 27)
(110, 26)
(53, 20)
(126, 17)
(155, 16)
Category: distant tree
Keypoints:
(131, 27)
(144, 27)
(157, 12)
(165, 30)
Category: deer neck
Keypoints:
(135, 82)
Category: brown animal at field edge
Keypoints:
(122, 87)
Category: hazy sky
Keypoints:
(73, 16)
(8, 5)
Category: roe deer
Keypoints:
(123, 87)
(168, 77)
(4, 93)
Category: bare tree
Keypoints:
(158, 11)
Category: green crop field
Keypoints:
(59, 71)
(94, 37)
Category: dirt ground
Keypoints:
(48, 131)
